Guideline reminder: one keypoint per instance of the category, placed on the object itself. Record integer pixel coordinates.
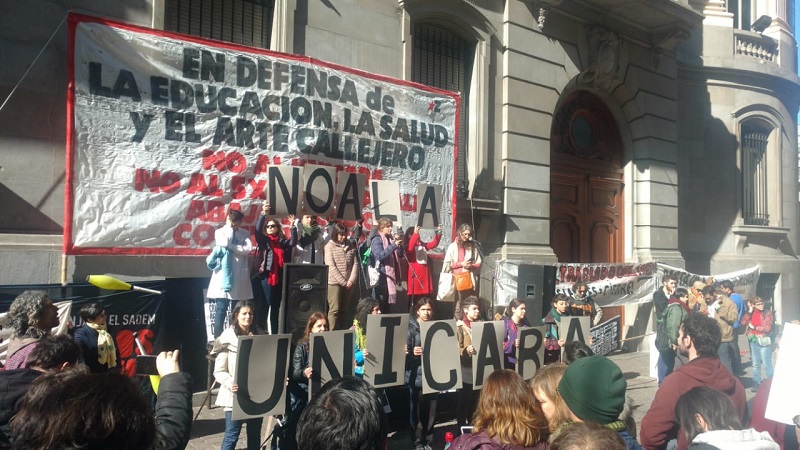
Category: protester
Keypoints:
(345, 414)
(667, 334)
(366, 306)
(230, 276)
(467, 397)
(582, 304)
(575, 350)
(588, 436)
(53, 354)
(552, 341)
(697, 302)
(724, 312)
(544, 385)
(273, 252)
(423, 406)
(758, 321)
(463, 257)
(513, 318)
(226, 349)
(309, 241)
(727, 288)
(385, 248)
(73, 409)
(99, 350)
(593, 388)
(781, 433)
(300, 376)
(507, 417)
(710, 421)
(31, 316)
(340, 256)
(698, 339)
(420, 282)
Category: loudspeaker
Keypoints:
(305, 290)
(537, 284)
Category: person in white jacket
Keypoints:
(226, 349)
(710, 421)
(228, 262)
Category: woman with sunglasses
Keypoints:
(274, 250)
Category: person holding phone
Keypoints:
(226, 349)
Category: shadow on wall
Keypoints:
(19, 216)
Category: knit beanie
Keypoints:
(594, 389)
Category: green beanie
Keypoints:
(594, 389)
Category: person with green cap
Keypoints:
(593, 389)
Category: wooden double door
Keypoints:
(586, 214)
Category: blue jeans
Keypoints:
(666, 364)
(725, 353)
(760, 355)
(234, 427)
(272, 297)
(221, 306)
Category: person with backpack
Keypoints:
(668, 328)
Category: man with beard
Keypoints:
(582, 304)
(698, 339)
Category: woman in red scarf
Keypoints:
(273, 251)
(759, 319)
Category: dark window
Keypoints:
(766, 286)
(742, 13)
(245, 22)
(754, 173)
(443, 60)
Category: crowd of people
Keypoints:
(576, 400)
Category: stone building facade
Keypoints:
(594, 130)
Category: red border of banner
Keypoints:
(69, 197)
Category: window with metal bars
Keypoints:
(245, 22)
(443, 60)
(754, 174)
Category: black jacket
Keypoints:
(173, 412)
(13, 387)
(413, 362)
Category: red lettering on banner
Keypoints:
(198, 185)
(408, 202)
(197, 208)
(221, 161)
(203, 235)
(216, 212)
(155, 181)
(179, 234)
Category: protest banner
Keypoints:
(606, 336)
(262, 366)
(613, 284)
(167, 131)
(441, 365)
(530, 353)
(386, 340)
(331, 355)
(487, 338)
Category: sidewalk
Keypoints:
(207, 431)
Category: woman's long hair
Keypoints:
(312, 319)
(546, 379)
(678, 293)
(419, 303)
(508, 412)
(462, 228)
(237, 330)
(364, 309)
(513, 304)
(713, 406)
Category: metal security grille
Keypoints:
(754, 174)
(443, 60)
(245, 22)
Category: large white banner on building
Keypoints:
(612, 284)
(165, 131)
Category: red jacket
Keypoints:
(659, 424)
(419, 275)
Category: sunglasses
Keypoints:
(272, 226)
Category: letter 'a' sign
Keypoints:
(441, 366)
(487, 338)
(261, 370)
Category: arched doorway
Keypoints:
(586, 182)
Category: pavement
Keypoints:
(209, 426)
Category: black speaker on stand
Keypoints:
(537, 285)
(305, 290)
